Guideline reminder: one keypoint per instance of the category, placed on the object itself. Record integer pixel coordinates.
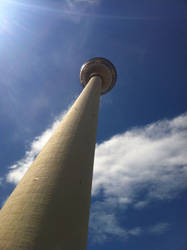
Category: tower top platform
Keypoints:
(102, 67)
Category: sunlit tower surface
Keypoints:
(49, 208)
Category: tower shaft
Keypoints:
(49, 209)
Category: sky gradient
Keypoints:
(140, 170)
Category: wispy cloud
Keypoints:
(140, 204)
(159, 228)
(73, 10)
(104, 223)
(74, 3)
(69, 9)
(20, 167)
(78, 9)
(151, 160)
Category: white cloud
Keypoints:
(151, 160)
(153, 156)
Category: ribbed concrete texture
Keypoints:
(49, 208)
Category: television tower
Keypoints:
(49, 208)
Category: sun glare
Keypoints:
(3, 21)
(10, 17)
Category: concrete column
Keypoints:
(49, 208)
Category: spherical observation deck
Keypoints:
(102, 67)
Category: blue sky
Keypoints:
(140, 171)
